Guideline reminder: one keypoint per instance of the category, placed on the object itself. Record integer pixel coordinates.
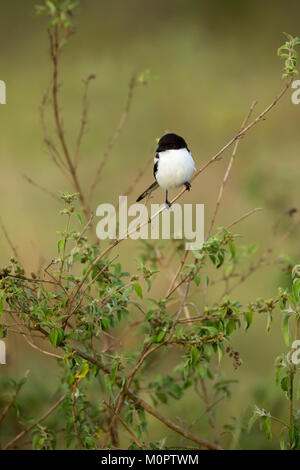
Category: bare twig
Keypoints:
(44, 190)
(12, 246)
(228, 171)
(83, 117)
(244, 216)
(54, 153)
(172, 285)
(211, 418)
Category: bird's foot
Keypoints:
(187, 185)
(168, 204)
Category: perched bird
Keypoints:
(173, 166)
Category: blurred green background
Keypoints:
(210, 61)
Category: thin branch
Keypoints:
(209, 410)
(23, 278)
(186, 292)
(226, 176)
(172, 285)
(54, 153)
(44, 190)
(12, 246)
(244, 216)
(83, 117)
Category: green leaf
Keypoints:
(108, 385)
(138, 289)
(60, 245)
(195, 354)
(285, 383)
(2, 298)
(230, 327)
(89, 443)
(296, 289)
(252, 421)
(3, 332)
(202, 370)
(83, 371)
(104, 323)
(266, 424)
(51, 7)
(113, 372)
(269, 321)
(282, 439)
(160, 336)
(162, 397)
(77, 214)
(285, 329)
(221, 351)
(56, 336)
(249, 319)
(232, 249)
(294, 437)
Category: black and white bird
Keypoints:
(173, 165)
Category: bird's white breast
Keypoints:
(175, 167)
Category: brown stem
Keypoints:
(83, 117)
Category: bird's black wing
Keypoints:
(155, 168)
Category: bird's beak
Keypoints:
(159, 149)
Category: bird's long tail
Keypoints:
(148, 191)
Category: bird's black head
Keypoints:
(171, 142)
